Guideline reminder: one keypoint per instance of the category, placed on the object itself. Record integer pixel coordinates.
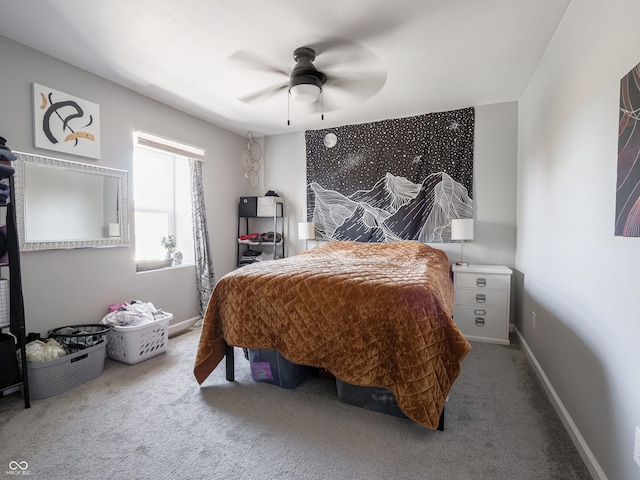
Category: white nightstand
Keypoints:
(482, 299)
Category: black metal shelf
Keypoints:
(16, 301)
(244, 246)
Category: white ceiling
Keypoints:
(426, 55)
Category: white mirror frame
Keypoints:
(20, 185)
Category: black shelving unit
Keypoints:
(16, 302)
(245, 220)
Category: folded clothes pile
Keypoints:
(252, 256)
(248, 257)
(267, 237)
(270, 237)
(132, 313)
(6, 170)
(5, 192)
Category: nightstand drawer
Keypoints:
(499, 298)
(484, 323)
(482, 280)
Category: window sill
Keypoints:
(152, 265)
(147, 265)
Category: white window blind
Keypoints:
(167, 145)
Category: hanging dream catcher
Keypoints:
(250, 158)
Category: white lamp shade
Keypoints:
(462, 229)
(305, 92)
(306, 231)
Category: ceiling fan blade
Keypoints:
(264, 94)
(249, 60)
(360, 32)
(361, 85)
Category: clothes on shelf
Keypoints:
(7, 157)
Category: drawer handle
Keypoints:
(481, 282)
(479, 322)
(479, 311)
(481, 298)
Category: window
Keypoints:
(162, 202)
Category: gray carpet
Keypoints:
(153, 421)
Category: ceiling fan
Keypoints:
(341, 71)
(305, 84)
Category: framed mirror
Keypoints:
(62, 204)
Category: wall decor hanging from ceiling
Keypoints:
(398, 179)
(628, 185)
(65, 123)
(250, 158)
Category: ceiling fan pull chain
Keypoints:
(288, 115)
(322, 104)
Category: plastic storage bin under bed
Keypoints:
(372, 398)
(271, 367)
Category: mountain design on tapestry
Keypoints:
(393, 209)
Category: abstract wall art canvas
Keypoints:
(398, 179)
(65, 123)
(628, 185)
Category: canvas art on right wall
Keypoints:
(628, 184)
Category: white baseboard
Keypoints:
(184, 325)
(577, 438)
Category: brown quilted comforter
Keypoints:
(372, 314)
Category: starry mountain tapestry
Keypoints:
(398, 179)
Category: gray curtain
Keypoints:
(205, 275)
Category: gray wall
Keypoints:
(580, 280)
(68, 287)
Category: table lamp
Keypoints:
(306, 231)
(462, 231)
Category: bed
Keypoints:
(371, 314)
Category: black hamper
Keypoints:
(9, 373)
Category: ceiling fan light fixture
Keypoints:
(305, 92)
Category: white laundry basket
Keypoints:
(133, 344)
